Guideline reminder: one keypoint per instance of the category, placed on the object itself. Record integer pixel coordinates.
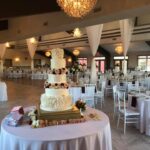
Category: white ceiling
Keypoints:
(110, 38)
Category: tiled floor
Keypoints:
(27, 93)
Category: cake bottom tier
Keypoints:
(55, 103)
(73, 113)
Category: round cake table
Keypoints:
(89, 135)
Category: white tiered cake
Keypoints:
(56, 96)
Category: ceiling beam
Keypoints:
(148, 43)
(106, 54)
(17, 8)
(36, 25)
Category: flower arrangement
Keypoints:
(80, 104)
(59, 71)
(56, 85)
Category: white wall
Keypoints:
(24, 56)
(133, 58)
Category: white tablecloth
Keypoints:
(90, 135)
(143, 106)
(3, 91)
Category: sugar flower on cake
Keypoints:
(46, 85)
(56, 85)
(57, 71)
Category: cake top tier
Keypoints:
(57, 53)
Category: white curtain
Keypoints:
(2, 53)
(126, 27)
(32, 48)
(94, 35)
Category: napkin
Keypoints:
(95, 90)
(121, 84)
(109, 82)
(83, 89)
(134, 101)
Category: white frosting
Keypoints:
(52, 78)
(57, 53)
(56, 99)
(58, 63)
(55, 103)
(56, 92)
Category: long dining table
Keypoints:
(141, 102)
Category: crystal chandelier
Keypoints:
(77, 8)
(119, 50)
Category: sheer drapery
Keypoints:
(32, 48)
(2, 53)
(126, 27)
(94, 35)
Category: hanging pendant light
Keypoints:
(32, 40)
(48, 53)
(119, 49)
(77, 33)
(77, 8)
(7, 44)
(69, 59)
(76, 52)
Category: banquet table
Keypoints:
(143, 106)
(89, 135)
(3, 91)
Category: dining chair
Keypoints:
(133, 87)
(108, 87)
(115, 99)
(88, 96)
(99, 94)
(126, 114)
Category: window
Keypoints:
(8, 63)
(100, 64)
(120, 57)
(118, 61)
(82, 61)
(37, 62)
(144, 63)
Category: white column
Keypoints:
(126, 27)
(32, 64)
(32, 46)
(1, 67)
(94, 35)
(2, 52)
(124, 67)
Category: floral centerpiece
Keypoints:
(80, 104)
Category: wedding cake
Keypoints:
(56, 96)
